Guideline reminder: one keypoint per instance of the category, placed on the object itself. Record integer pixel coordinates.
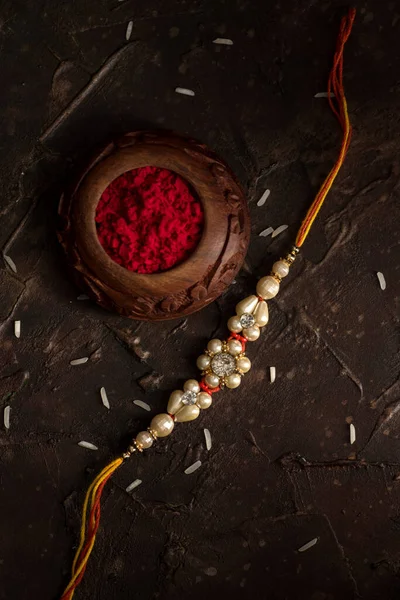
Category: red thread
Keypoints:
(236, 336)
(149, 220)
(208, 390)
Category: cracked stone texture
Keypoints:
(281, 471)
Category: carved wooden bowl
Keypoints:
(186, 287)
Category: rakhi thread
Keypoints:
(267, 287)
(89, 527)
(335, 86)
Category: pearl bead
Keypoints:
(144, 439)
(191, 385)
(281, 268)
(187, 413)
(212, 380)
(203, 362)
(252, 333)
(174, 402)
(233, 381)
(261, 314)
(243, 364)
(235, 347)
(247, 305)
(204, 400)
(214, 346)
(162, 425)
(234, 324)
(267, 287)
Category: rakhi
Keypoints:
(224, 362)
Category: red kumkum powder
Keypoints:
(148, 220)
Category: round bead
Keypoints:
(203, 362)
(247, 305)
(175, 402)
(235, 347)
(281, 268)
(252, 333)
(144, 439)
(214, 346)
(212, 380)
(204, 400)
(191, 385)
(267, 287)
(233, 381)
(187, 413)
(234, 324)
(162, 425)
(261, 314)
(243, 364)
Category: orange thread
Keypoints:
(335, 86)
(89, 527)
(208, 390)
(242, 340)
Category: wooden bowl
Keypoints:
(185, 288)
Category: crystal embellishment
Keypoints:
(223, 364)
(247, 320)
(189, 398)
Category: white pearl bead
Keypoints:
(281, 268)
(187, 413)
(252, 333)
(162, 425)
(235, 347)
(247, 305)
(243, 364)
(204, 400)
(233, 381)
(267, 287)
(191, 385)
(144, 439)
(261, 314)
(212, 381)
(214, 346)
(203, 362)
(174, 402)
(234, 324)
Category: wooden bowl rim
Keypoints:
(125, 159)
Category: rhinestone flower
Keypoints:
(224, 363)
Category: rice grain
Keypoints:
(193, 467)
(382, 280)
(184, 91)
(223, 41)
(263, 198)
(272, 374)
(10, 262)
(17, 329)
(87, 445)
(324, 95)
(79, 361)
(104, 398)
(279, 230)
(266, 232)
(129, 31)
(7, 411)
(352, 433)
(142, 404)
(133, 485)
(309, 545)
(207, 436)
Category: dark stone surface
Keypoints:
(281, 471)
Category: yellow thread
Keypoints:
(90, 498)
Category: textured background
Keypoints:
(281, 470)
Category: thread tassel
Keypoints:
(338, 106)
(89, 526)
